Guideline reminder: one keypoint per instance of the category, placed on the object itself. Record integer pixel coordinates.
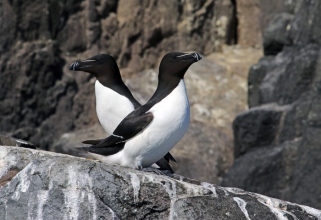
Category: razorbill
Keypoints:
(114, 100)
(150, 131)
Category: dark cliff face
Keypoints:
(277, 141)
(40, 99)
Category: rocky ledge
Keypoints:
(46, 185)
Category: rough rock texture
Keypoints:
(40, 99)
(44, 185)
(9, 141)
(277, 142)
(254, 17)
(249, 26)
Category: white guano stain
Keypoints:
(210, 187)
(24, 184)
(277, 207)
(7, 161)
(170, 188)
(242, 204)
(312, 211)
(134, 179)
(113, 215)
(72, 195)
(172, 213)
(91, 196)
(274, 206)
(42, 199)
(80, 187)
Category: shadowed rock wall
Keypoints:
(277, 141)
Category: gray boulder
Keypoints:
(44, 185)
(277, 141)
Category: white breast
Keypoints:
(111, 107)
(170, 123)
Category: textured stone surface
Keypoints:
(257, 127)
(53, 186)
(275, 34)
(249, 25)
(282, 154)
(255, 16)
(9, 141)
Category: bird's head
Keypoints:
(102, 66)
(176, 63)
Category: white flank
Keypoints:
(111, 107)
(170, 123)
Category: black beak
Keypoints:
(197, 56)
(82, 65)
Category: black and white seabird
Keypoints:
(114, 101)
(150, 131)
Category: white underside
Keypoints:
(111, 107)
(170, 123)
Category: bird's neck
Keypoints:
(165, 86)
(119, 86)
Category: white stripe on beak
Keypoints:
(183, 55)
(87, 61)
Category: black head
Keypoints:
(176, 63)
(102, 66)
(105, 69)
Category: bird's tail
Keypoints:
(92, 142)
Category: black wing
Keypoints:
(129, 127)
(93, 142)
(164, 165)
(105, 151)
(168, 157)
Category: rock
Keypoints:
(45, 185)
(254, 17)
(249, 26)
(257, 127)
(35, 93)
(294, 64)
(272, 8)
(282, 160)
(276, 34)
(9, 141)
